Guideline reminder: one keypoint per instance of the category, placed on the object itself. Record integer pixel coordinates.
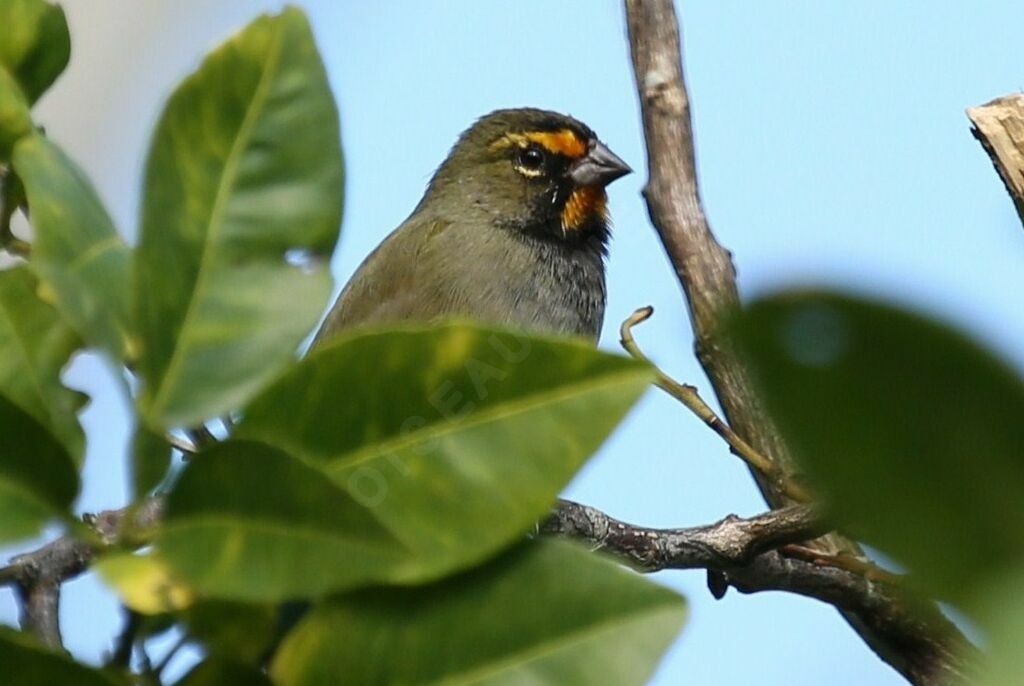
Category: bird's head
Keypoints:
(533, 171)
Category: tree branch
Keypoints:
(728, 543)
(704, 268)
(999, 127)
(924, 651)
(745, 554)
(37, 576)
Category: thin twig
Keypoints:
(125, 646)
(690, 398)
(201, 437)
(183, 444)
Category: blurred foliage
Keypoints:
(144, 582)
(28, 664)
(913, 434)
(217, 671)
(38, 477)
(76, 252)
(35, 46)
(236, 631)
(38, 344)
(151, 459)
(559, 615)
(389, 472)
(15, 120)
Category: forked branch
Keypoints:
(926, 650)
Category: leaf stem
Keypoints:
(181, 443)
(690, 398)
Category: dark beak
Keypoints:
(599, 167)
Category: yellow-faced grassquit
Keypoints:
(512, 230)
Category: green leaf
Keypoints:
(76, 252)
(913, 432)
(240, 631)
(1000, 606)
(28, 664)
(247, 522)
(15, 119)
(545, 614)
(37, 476)
(35, 45)
(151, 460)
(217, 671)
(458, 438)
(241, 211)
(35, 345)
(144, 582)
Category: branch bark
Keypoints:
(37, 576)
(726, 544)
(705, 272)
(704, 268)
(999, 127)
(744, 554)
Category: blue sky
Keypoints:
(832, 147)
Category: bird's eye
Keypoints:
(531, 158)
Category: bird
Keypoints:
(512, 231)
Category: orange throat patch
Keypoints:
(584, 203)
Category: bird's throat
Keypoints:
(584, 204)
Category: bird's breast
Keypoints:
(539, 286)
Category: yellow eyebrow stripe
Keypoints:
(562, 142)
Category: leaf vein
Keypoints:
(228, 177)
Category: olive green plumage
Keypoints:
(511, 231)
